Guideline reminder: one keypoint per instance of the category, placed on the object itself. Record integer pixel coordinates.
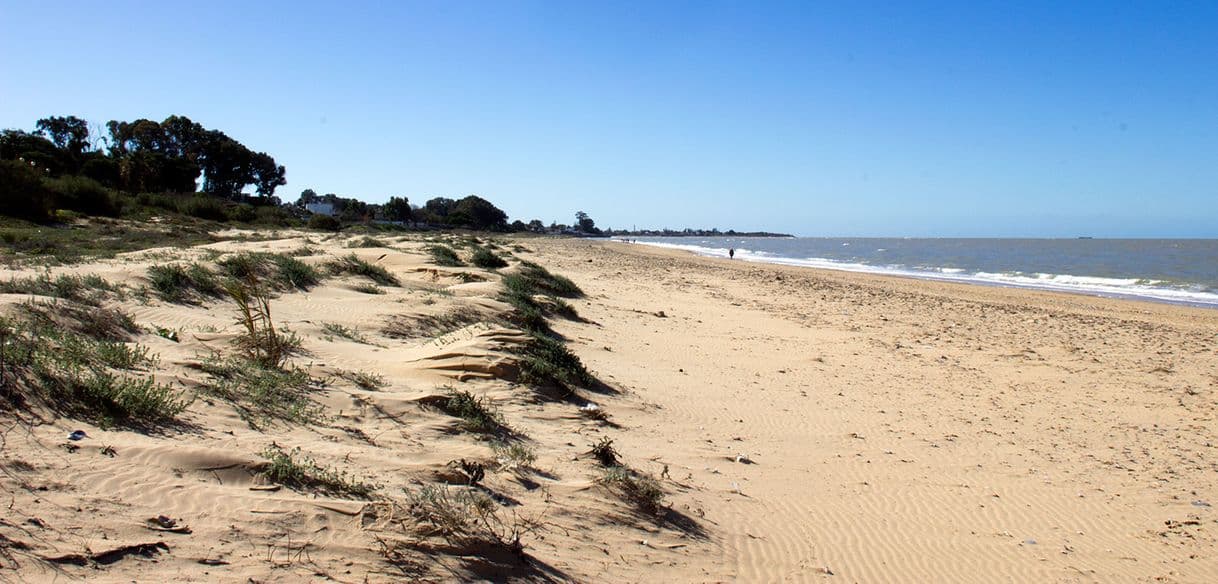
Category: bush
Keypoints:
(83, 194)
(180, 283)
(297, 471)
(204, 207)
(262, 394)
(244, 213)
(485, 258)
(22, 193)
(353, 265)
(442, 255)
(544, 360)
(324, 223)
(478, 414)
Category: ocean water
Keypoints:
(1168, 270)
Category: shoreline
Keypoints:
(908, 430)
(1156, 295)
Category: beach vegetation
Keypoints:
(478, 414)
(181, 283)
(262, 395)
(431, 325)
(485, 258)
(333, 329)
(640, 489)
(355, 266)
(545, 360)
(363, 379)
(367, 288)
(73, 373)
(513, 456)
(468, 517)
(442, 255)
(259, 342)
(293, 469)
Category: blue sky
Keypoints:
(842, 118)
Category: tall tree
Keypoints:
(397, 209)
(70, 133)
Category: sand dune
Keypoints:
(802, 425)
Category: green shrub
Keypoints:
(478, 414)
(262, 395)
(544, 360)
(22, 193)
(243, 212)
(353, 265)
(294, 470)
(442, 255)
(204, 207)
(324, 223)
(183, 283)
(485, 258)
(83, 194)
(71, 373)
(431, 325)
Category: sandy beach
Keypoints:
(803, 425)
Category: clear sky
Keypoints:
(836, 118)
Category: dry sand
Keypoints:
(805, 426)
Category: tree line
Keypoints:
(145, 167)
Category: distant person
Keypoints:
(731, 253)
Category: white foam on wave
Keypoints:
(1093, 285)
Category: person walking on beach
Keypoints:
(731, 253)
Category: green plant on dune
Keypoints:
(355, 266)
(442, 255)
(293, 469)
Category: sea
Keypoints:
(1181, 271)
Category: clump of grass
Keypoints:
(363, 379)
(478, 414)
(468, 517)
(283, 271)
(442, 255)
(262, 395)
(485, 258)
(302, 251)
(293, 273)
(513, 456)
(367, 241)
(333, 329)
(89, 289)
(641, 489)
(110, 324)
(72, 373)
(368, 288)
(468, 277)
(351, 264)
(548, 283)
(432, 325)
(184, 283)
(260, 341)
(545, 360)
(293, 469)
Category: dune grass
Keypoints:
(485, 258)
(478, 414)
(355, 266)
(184, 283)
(70, 366)
(442, 255)
(292, 469)
(431, 325)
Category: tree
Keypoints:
(267, 175)
(307, 196)
(397, 209)
(70, 134)
(477, 213)
(439, 207)
(585, 223)
(536, 226)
